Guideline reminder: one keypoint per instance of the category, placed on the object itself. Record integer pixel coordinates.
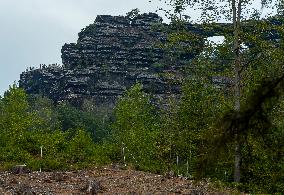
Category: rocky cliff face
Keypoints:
(111, 55)
(115, 52)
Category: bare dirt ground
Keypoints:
(104, 180)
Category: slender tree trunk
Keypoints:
(236, 8)
(238, 157)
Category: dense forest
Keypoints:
(231, 132)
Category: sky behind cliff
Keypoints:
(33, 31)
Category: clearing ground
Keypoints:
(105, 180)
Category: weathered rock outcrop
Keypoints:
(111, 55)
(114, 53)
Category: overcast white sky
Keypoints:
(32, 32)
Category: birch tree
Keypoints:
(235, 12)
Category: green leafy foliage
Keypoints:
(25, 128)
(136, 128)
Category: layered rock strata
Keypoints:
(115, 52)
(110, 56)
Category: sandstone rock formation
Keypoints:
(115, 52)
(110, 56)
